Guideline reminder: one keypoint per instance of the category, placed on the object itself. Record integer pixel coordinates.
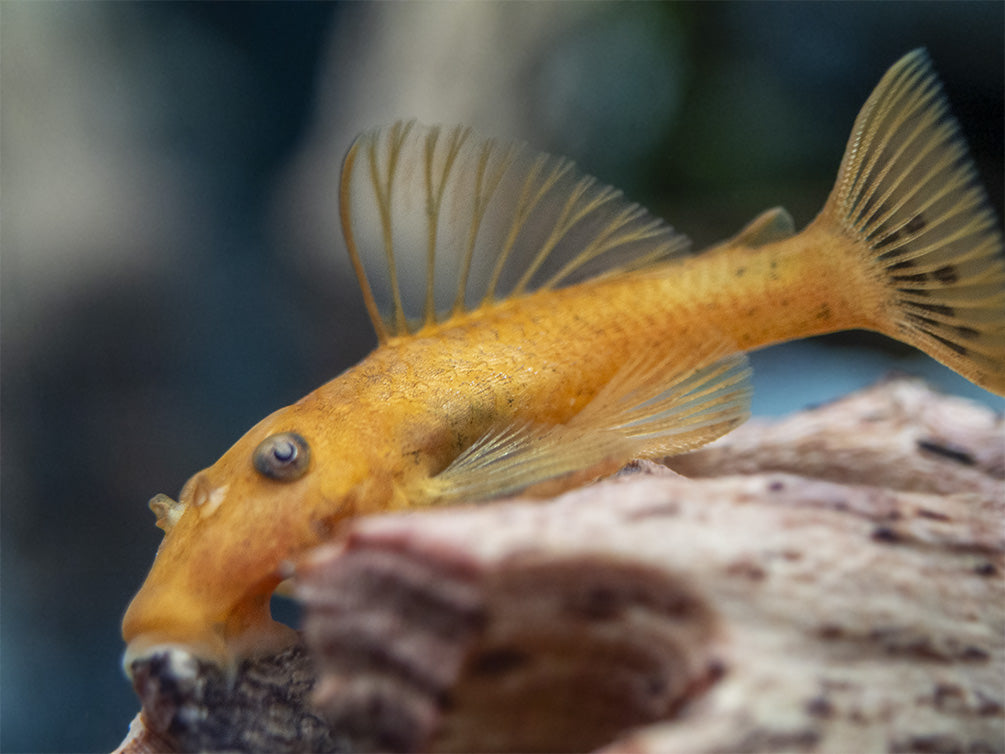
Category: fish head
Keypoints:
(233, 534)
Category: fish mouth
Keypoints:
(149, 650)
(222, 644)
(140, 653)
(183, 656)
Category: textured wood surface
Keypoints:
(831, 582)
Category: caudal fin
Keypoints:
(909, 197)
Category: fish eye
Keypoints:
(283, 457)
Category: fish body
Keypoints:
(517, 376)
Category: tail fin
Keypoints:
(909, 196)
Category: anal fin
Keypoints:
(654, 406)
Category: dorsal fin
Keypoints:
(772, 225)
(454, 220)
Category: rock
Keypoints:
(832, 582)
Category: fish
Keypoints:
(536, 330)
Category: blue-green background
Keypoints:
(159, 136)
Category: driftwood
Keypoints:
(832, 582)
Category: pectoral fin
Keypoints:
(653, 407)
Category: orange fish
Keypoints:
(559, 332)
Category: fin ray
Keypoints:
(654, 406)
(772, 225)
(492, 218)
(909, 197)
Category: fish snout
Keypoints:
(159, 618)
(216, 628)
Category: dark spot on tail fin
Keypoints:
(947, 274)
(916, 224)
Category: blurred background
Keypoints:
(172, 268)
